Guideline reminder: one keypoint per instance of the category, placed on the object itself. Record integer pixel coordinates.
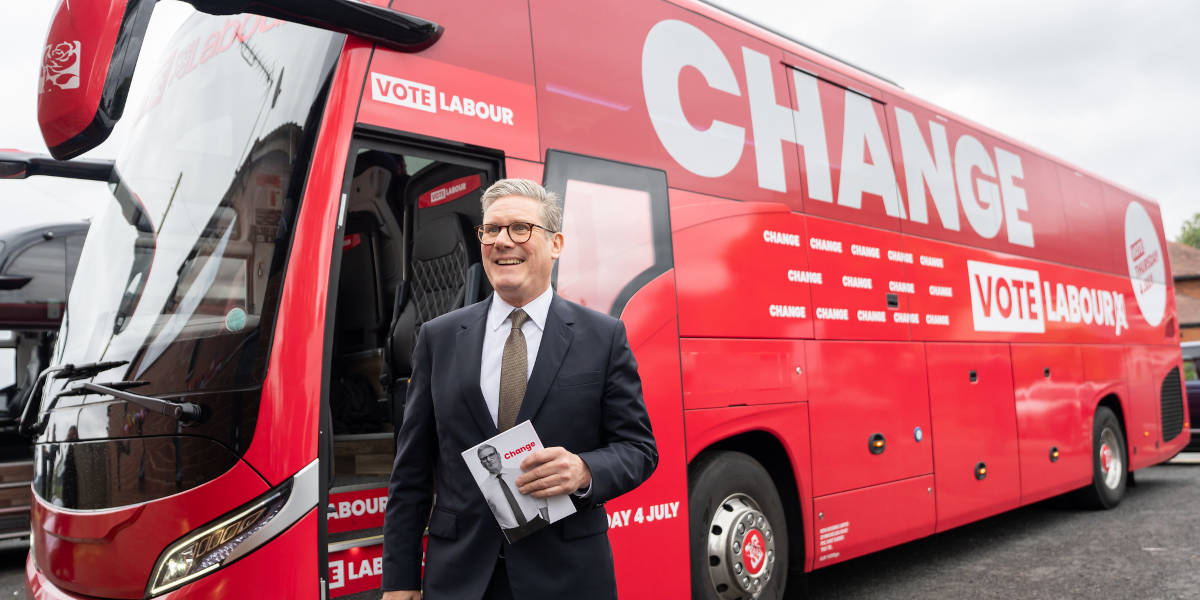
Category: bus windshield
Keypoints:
(180, 274)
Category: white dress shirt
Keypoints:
(496, 333)
(531, 507)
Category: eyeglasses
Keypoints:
(517, 232)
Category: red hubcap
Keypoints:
(754, 554)
(1105, 456)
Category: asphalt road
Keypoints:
(1147, 548)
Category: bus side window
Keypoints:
(44, 261)
(616, 222)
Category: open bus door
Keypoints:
(408, 254)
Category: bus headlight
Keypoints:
(235, 534)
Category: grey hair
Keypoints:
(551, 207)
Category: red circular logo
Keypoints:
(754, 551)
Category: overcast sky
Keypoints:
(23, 27)
(1111, 87)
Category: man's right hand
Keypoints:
(402, 595)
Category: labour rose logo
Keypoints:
(753, 551)
(60, 66)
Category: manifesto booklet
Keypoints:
(496, 464)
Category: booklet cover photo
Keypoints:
(496, 463)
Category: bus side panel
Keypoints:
(974, 421)
(1141, 415)
(860, 389)
(856, 280)
(475, 85)
(967, 294)
(649, 526)
(1025, 183)
(741, 268)
(1105, 373)
(787, 423)
(523, 169)
(862, 521)
(724, 372)
(1047, 383)
(1148, 367)
(1088, 219)
(594, 81)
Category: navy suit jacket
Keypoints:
(584, 394)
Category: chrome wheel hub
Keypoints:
(1111, 462)
(741, 548)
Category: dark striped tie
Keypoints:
(512, 501)
(513, 369)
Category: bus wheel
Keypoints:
(1109, 466)
(739, 538)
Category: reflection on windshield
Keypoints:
(180, 275)
(183, 311)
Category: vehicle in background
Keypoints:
(37, 265)
(1191, 375)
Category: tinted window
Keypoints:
(45, 262)
(617, 228)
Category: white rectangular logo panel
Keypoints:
(403, 92)
(1005, 298)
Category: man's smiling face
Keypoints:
(519, 272)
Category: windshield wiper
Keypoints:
(34, 419)
(31, 414)
(79, 390)
(73, 372)
(184, 412)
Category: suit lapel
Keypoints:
(470, 340)
(556, 339)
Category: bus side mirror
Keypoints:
(88, 61)
(92, 49)
(394, 29)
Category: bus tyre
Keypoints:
(1109, 462)
(739, 538)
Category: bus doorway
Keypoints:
(408, 254)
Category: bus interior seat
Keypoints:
(445, 272)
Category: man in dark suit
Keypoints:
(522, 354)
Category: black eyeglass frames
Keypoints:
(518, 232)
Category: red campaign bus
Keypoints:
(859, 319)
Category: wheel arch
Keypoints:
(1112, 401)
(771, 453)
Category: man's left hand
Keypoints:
(553, 472)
